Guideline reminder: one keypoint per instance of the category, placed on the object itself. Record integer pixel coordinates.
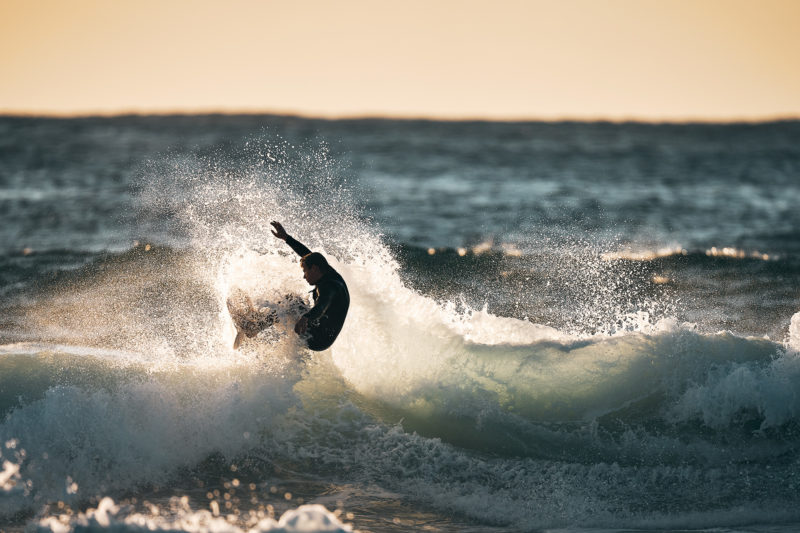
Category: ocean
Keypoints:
(554, 326)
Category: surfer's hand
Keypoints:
(279, 232)
(301, 326)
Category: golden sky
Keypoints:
(617, 59)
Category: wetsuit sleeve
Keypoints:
(298, 247)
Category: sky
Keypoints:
(495, 59)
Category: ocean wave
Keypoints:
(120, 376)
(110, 425)
(663, 399)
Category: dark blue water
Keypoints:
(555, 325)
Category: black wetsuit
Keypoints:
(331, 302)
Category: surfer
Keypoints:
(321, 325)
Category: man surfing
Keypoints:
(320, 326)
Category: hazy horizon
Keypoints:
(679, 61)
(375, 116)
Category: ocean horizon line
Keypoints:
(411, 117)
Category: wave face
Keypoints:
(555, 381)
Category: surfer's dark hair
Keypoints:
(315, 258)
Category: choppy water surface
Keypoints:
(571, 326)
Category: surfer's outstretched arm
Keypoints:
(298, 247)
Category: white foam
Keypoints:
(794, 334)
(86, 442)
(729, 391)
(11, 482)
(9, 476)
(108, 516)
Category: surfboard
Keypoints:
(251, 320)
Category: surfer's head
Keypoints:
(314, 267)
